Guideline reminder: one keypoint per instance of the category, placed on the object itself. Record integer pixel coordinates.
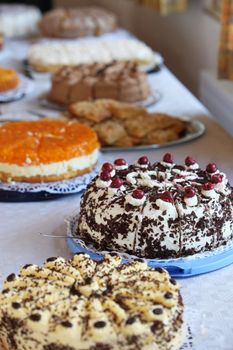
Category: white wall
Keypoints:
(188, 41)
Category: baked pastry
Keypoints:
(49, 57)
(77, 22)
(46, 150)
(122, 81)
(120, 124)
(9, 79)
(160, 210)
(18, 20)
(83, 305)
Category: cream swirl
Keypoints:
(136, 202)
(102, 184)
(191, 202)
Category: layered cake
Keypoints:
(121, 81)
(49, 57)
(77, 22)
(18, 19)
(9, 79)
(159, 210)
(83, 305)
(46, 150)
(120, 124)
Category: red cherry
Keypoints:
(167, 158)
(104, 176)
(189, 161)
(167, 197)
(138, 194)
(107, 167)
(208, 186)
(211, 168)
(116, 182)
(143, 160)
(217, 178)
(189, 192)
(120, 162)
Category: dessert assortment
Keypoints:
(157, 210)
(145, 210)
(46, 150)
(18, 20)
(9, 79)
(77, 22)
(122, 81)
(120, 124)
(82, 305)
(49, 57)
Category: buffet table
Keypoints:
(207, 298)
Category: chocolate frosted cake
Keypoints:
(160, 210)
(77, 22)
(84, 305)
(122, 81)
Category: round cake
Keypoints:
(83, 305)
(46, 150)
(51, 56)
(18, 20)
(160, 210)
(9, 79)
(122, 81)
(77, 22)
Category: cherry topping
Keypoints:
(217, 178)
(104, 176)
(189, 192)
(189, 161)
(138, 194)
(120, 162)
(211, 168)
(143, 160)
(208, 186)
(107, 167)
(167, 158)
(116, 182)
(167, 197)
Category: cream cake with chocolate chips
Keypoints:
(160, 210)
(85, 305)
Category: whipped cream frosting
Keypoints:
(81, 304)
(160, 225)
(56, 168)
(107, 51)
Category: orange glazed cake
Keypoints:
(46, 150)
(9, 79)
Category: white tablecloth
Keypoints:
(208, 298)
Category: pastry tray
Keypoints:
(189, 266)
(195, 130)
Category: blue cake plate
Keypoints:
(180, 268)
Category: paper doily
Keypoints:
(74, 185)
(23, 89)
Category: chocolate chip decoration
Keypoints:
(99, 324)
(11, 277)
(112, 306)
(35, 317)
(67, 324)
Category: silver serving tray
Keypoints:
(195, 130)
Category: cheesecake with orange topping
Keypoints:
(46, 150)
(9, 79)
